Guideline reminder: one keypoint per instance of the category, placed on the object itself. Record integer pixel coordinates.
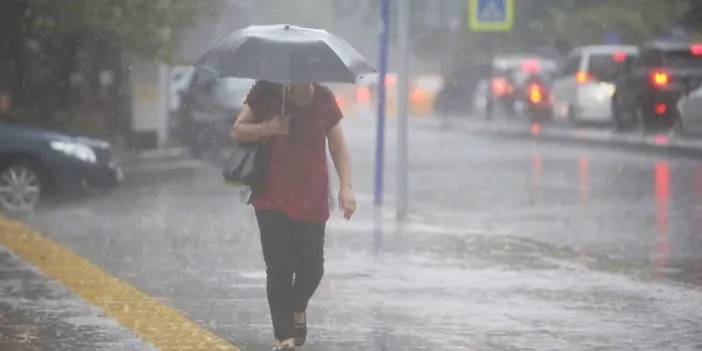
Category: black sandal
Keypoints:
(301, 332)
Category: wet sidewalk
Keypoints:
(510, 246)
(189, 243)
(37, 313)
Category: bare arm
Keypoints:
(247, 130)
(342, 162)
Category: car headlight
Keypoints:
(610, 90)
(79, 151)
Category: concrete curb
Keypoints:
(662, 142)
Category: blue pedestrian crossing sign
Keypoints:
(490, 15)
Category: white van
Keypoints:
(584, 84)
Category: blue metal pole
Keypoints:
(383, 67)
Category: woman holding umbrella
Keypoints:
(297, 119)
(292, 203)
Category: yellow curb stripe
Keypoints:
(155, 323)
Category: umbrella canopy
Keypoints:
(287, 55)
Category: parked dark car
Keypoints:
(455, 96)
(208, 109)
(36, 162)
(650, 86)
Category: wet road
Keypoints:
(512, 245)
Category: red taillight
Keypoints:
(390, 81)
(660, 79)
(696, 49)
(536, 93)
(619, 57)
(583, 77)
(661, 109)
(500, 87)
(531, 66)
(418, 96)
(363, 95)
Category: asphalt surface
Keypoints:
(512, 244)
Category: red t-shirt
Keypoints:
(297, 181)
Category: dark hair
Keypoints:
(265, 98)
(268, 89)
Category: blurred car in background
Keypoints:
(690, 109)
(208, 109)
(456, 95)
(584, 84)
(178, 81)
(648, 91)
(361, 99)
(534, 99)
(36, 162)
(423, 94)
(516, 85)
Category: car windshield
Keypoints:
(605, 67)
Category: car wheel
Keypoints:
(573, 116)
(643, 123)
(21, 187)
(678, 128)
(489, 109)
(617, 116)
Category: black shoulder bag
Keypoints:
(246, 164)
(248, 161)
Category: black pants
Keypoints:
(294, 256)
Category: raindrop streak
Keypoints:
(536, 173)
(662, 193)
(698, 187)
(698, 221)
(378, 235)
(584, 180)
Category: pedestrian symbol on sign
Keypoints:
(491, 15)
(492, 11)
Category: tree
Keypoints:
(577, 22)
(693, 19)
(147, 27)
(59, 52)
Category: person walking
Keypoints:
(292, 202)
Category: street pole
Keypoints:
(380, 130)
(490, 107)
(403, 107)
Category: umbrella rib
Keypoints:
(351, 75)
(221, 60)
(210, 70)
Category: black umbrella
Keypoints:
(287, 55)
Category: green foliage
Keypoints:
(578, 22)
(146, 27)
